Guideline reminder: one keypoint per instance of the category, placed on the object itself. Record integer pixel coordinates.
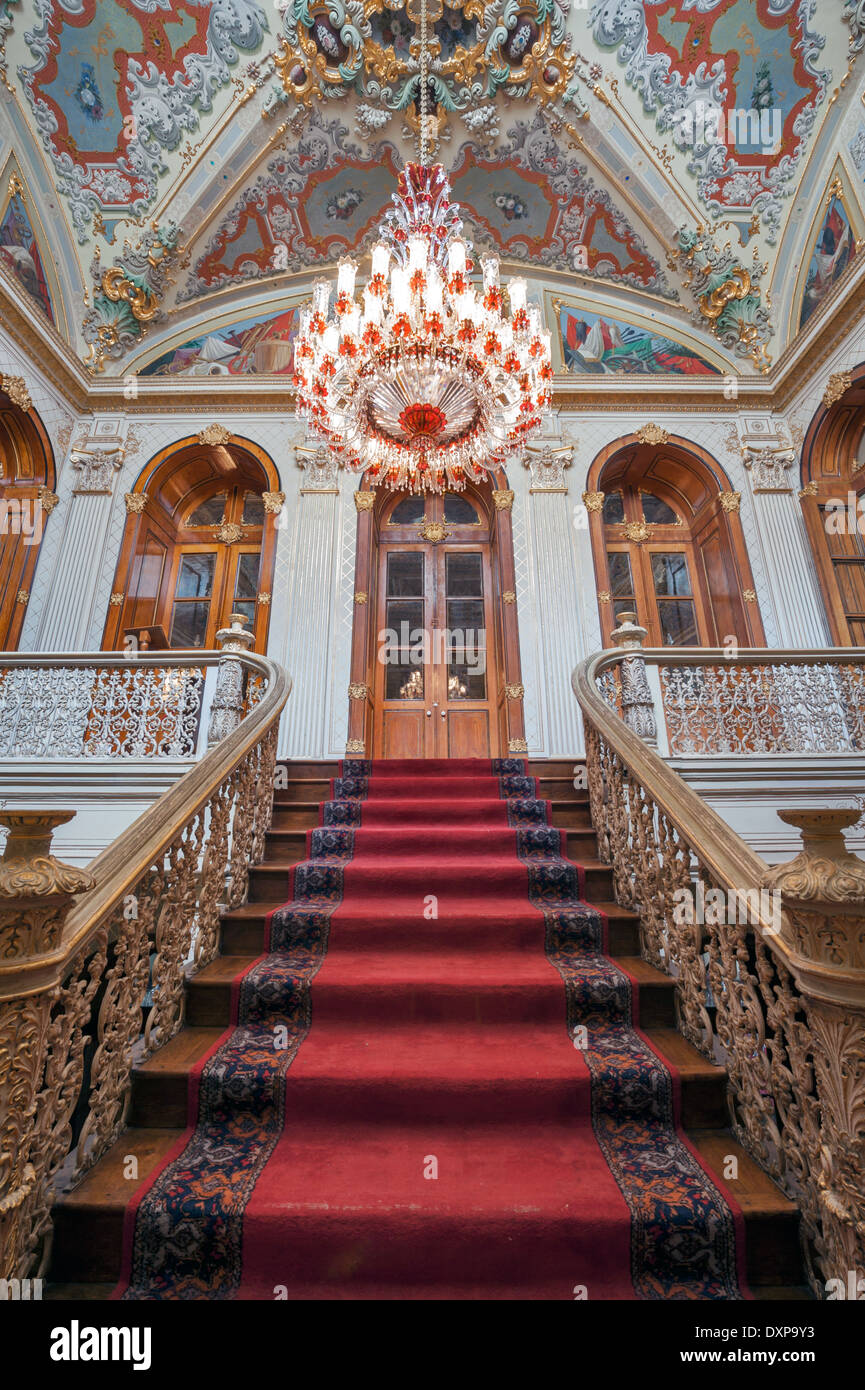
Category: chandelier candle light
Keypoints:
(426, 383)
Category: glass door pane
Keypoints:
(404, 640)
(465, 639)
(246, 586)
(673, 597)
(192, 595)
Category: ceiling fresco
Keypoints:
(203, 154)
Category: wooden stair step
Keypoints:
(771, 1219)
(311, 767)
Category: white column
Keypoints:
(67, 610)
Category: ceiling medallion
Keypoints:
(425, 384)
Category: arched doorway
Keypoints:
(668, 544)
(833, 506)
(199, 544)
(435, 627)
(26, 501)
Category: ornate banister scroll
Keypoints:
(93, 963)
(769, 964)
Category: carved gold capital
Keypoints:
(215, 434)
(16, 389)
(838, 383)
(273, 501)
(364, 501)
(809, 490)
(509, 596)
(116, 600)
(135, 502)
(514, 692)
(517, 745)
(593, 501)
(361, 597)
(503, 499)
(730, 501)
(355, 745)
(358, 690)
(263, 598)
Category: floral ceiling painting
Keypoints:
(597, 345)
(253, 346)
(19, 249)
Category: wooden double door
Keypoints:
(436, 683)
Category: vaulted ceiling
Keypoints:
(185, 164)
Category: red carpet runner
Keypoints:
(404, 1109)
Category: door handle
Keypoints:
(444, 714)
(428, 713)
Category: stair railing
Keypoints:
(93, 962)
(769, 963)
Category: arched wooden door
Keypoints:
(26, 501)
(199, 545)
(436, 684)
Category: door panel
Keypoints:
(467, 731)
(405, 734)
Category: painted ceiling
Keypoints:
(182, 161)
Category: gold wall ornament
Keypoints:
(360, 596)
(358, 690)
(116, 600)
(135, 502)
(809, 490)
(16, 389)
(364, 501)
(517, 745)
(594, 501)
(509, 596)
(514, 692)
(730, 501)
(106, 338)
(713, 304)
(16, 188)
(228, 533)
(637, 531)
(749, 595)
(47, 499)
(23, 596)
(263, 598)
(355, 745)
(273, 502)
(116, 286)
(215, 434)
(433, 531)
(652, 434)
(503, 499)
(838, 383)
(604, 596)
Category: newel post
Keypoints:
(36, 893)
(227, 706)
(638, 709)
(823, 924)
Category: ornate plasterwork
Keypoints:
(354, 745)
(369, 47)
(215, 434)
(547, 464)
(728, 300)
(127, 296)
(135, 502)
(229, 533)
(96, 469)
(47, 499)
(364, 501)
(273, 502)
(768, 468)
(730, 501)
(503, 499)
(144, 89)
(680, 96)
(593, 501)
(652, 434)
(358, 690)
(433, 531)
(515, 692)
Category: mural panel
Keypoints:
(19, 250)
(833, 251)
(250, 347)
(596, 345)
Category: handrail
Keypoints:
(120, 865)
(771, 978)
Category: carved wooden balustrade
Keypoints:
(80, 950)
(769, 963)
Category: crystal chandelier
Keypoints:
(423, 382)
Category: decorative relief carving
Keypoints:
(36, 889)
(364, 501)
(355, 745)
(361, 597)
(47, 499)
(768, 468)
(228, 533)
(135, 502)
(16, 389)
(509, 596)
(273, 502)
(96, 468)
(116, 600)
(321, 467)
(593, 501)
(433, 531)
(749, 595)
(838, 383)
(637, 531)
(517, 745)
(215, 434)
(263, 598)
(23, 596)
(547, 466)
(809, 490)
(604, 596)
(824, 868)
(730, 501)
(652, 434)
(514, 692)
(358, 690)
(503, 499)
